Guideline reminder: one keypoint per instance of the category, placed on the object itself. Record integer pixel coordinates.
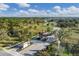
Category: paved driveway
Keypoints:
(4, 53)
(37, 45)
(10, 52)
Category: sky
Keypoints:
(39, 9)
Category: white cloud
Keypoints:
(22, 11)
(24, 5)
(57, 8)
(69, 11)
(4, 6)
(32, 13)
(58, 11)
(73, 8)
(33, 10)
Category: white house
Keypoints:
(26, 44)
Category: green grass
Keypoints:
(73, 36)
(66, 54)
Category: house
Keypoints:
(48, 37)
(41, 34)
(26, 44)
(21, 45)
(51, 38)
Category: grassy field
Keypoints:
(73, 35)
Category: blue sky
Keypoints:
(39, 9)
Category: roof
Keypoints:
(51, 38)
